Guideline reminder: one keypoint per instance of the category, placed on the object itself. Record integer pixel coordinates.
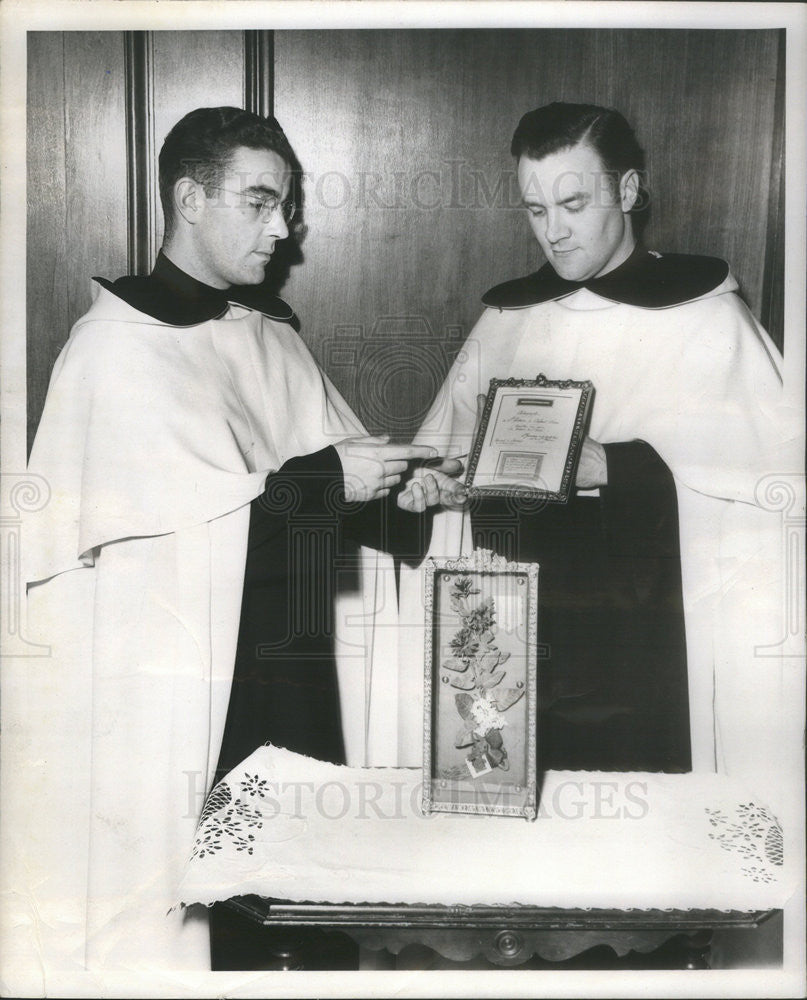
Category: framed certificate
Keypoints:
(480, 704)
(529, 439)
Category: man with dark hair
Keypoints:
(685, 385)
(202, 143)
(557, 127)
(189, 441)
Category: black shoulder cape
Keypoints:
(647, 278)
(172, 296)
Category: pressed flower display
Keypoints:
(480, 694)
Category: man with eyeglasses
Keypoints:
(205, 478)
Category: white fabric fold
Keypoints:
(150, 428)
(284, 826)
(153, 442)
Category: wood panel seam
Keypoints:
(140, 146)
(259, 72)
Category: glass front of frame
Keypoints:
(530, 437)
(481, 686)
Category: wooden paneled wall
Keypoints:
(411, 209)
(411, 204)
(99, 107)
(77, 217)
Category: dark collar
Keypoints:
(172, 296)
(647, 278)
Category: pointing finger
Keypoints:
(407, 452)
(380, 439)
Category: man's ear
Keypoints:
(189, 199)
(629, 190)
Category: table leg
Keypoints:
(240, 943)
(697, 950)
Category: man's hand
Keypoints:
(431, 486)
(592, 470)
(437, 483)
(371, 466)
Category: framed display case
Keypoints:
(529, 438)
(480, 704)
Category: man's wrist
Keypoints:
(602, 464)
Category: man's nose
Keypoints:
(556, 227)
(277, 225)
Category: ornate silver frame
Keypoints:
(446, 788)
(572, 457)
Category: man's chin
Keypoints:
(571, 272)
(252, 275)
(568, 273)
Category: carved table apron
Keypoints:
(505, 936)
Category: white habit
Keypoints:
(699, 381)
(154, 440)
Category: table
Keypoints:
(628, 860)
(511, 936)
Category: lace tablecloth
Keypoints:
(288, 827)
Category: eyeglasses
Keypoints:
(262, 206)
